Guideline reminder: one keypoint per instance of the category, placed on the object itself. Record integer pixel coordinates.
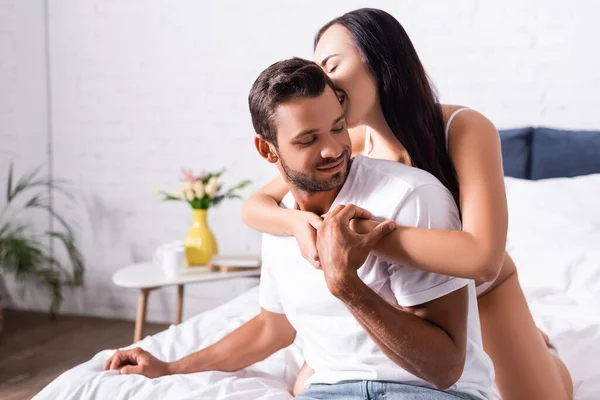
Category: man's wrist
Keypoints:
(346, 287)
(174, 368)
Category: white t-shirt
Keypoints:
(335, 345)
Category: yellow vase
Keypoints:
(200, 243)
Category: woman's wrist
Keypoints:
(295, 221)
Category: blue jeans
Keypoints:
(377, 390)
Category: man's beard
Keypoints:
(308, 183)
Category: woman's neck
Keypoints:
(383, 143)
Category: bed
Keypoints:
(553, 189)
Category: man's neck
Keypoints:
(320, 202)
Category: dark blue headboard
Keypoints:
(540, 153)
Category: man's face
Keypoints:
(313, 143)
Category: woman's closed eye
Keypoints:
(338, 129)
(332, 69)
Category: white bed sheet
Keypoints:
(554, 238)
(270, 379)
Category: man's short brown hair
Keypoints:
(285, 80)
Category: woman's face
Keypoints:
(337, 54)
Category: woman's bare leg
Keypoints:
(303, 375)
(562, 368)
(525, 368)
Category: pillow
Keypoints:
(516, 152)
(559, 153)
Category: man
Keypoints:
(370, 328)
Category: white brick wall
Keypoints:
(23, 110)
(141, 89)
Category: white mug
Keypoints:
(170, 259)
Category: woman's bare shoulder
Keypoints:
(448, 109)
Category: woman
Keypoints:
(393, 113)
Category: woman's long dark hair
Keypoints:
(408, 101)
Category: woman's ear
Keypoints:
(265, 149)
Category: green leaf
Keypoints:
(54, 185)
(51, 278)
(44, 206)
(207, 177)
(239, 186)
(53, 262)
(75, 257)
(205, 203)
(218, 174)
(9, 184)
(5, 228)
(10, 229)
(217, 199)
(20, 256)
(36, 200)
(171, 198)
(24, 182)
(23, 255)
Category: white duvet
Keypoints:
(270, 379)
(554, 238)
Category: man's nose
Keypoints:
(332, 147)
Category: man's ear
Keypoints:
(265, 149)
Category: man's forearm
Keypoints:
(249, 344)
(418, 346)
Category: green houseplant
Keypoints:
(22, 253)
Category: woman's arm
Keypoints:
(262, 212)
(477, 251)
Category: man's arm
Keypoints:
(252, 342)
(428, 340)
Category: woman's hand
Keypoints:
(363, 226)
(305, 232)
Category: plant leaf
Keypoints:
(53, 185)
(5, 228)
(169, 197)
(9, 184)
(20, 256)
(35, 201)
(51, 278)
(207, 177)
(57, 216)
(23, 255)
(23, 183)
(53, 262)
(219, 173)
(9, 229)
(239, 186)
(75, 257)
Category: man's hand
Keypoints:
(341, 250)
(137, 361)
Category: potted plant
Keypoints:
(201, 193)
(22, 253)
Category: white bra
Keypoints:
(367, 148)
